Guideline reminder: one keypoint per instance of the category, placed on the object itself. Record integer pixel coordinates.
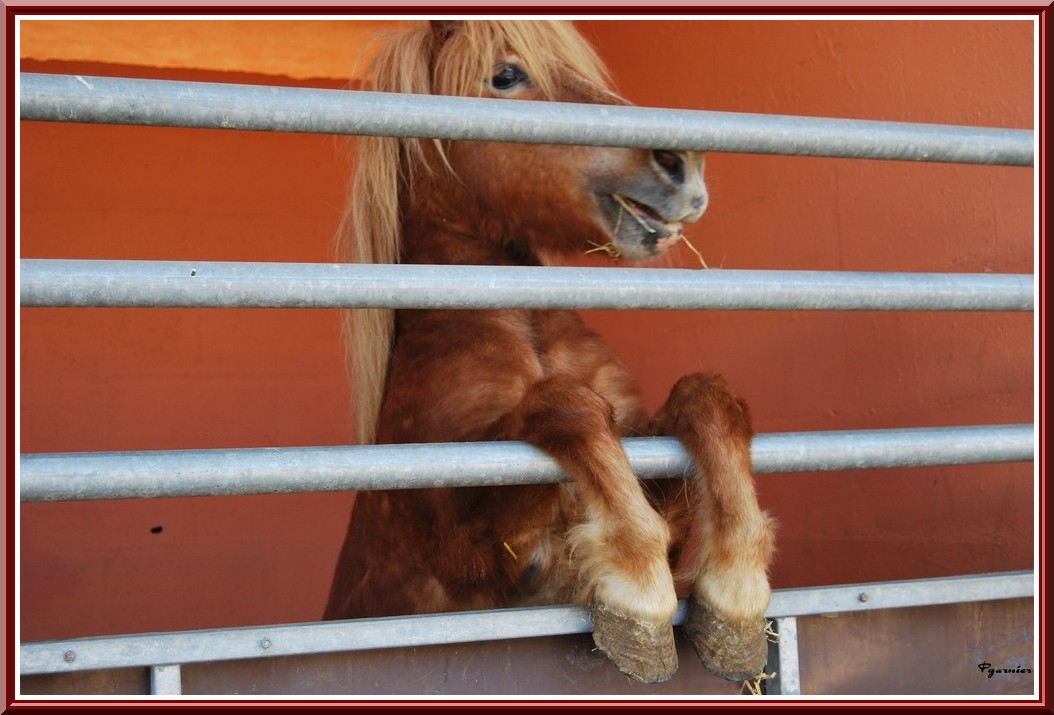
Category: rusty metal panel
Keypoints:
(110, 681)
(560, 665)
(914, 651)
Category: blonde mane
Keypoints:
(450, 58)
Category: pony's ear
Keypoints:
(442, 30)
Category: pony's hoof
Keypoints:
(734, 650)
(643, 651)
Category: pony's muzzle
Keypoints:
(682, 172)
(671, 163)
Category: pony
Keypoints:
(605, 540)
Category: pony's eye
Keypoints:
(508, 77)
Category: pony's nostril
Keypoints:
(671, 163)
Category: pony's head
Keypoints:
(521, 201)
(555, 199)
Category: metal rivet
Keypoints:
(864, 598)
(69, 656)
(265, 643)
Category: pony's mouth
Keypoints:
(651, 230)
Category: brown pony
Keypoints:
(606, 539)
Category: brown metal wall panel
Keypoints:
(564, 665)
(117, 681)
(914, 651)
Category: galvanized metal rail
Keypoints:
(108, 100)
(213, 472)
(82, 283)
(166, 652)
(143, 475)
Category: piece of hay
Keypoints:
(773, 636)
(753, 686)
(693, 249)
(633, 214)
(610, 249)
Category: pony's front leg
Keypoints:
(725, 621)
(619, 543)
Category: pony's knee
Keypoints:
(558, 412)
(703, 406)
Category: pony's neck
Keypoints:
(441, 235)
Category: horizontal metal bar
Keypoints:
(410, 631)
(79, 283)
(139, 475)
(900, 594)
(108, 100)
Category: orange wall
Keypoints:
(298, 49)
(167, 379)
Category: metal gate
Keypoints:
(61, 283)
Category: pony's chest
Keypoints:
(455, 374)
(566, 347)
